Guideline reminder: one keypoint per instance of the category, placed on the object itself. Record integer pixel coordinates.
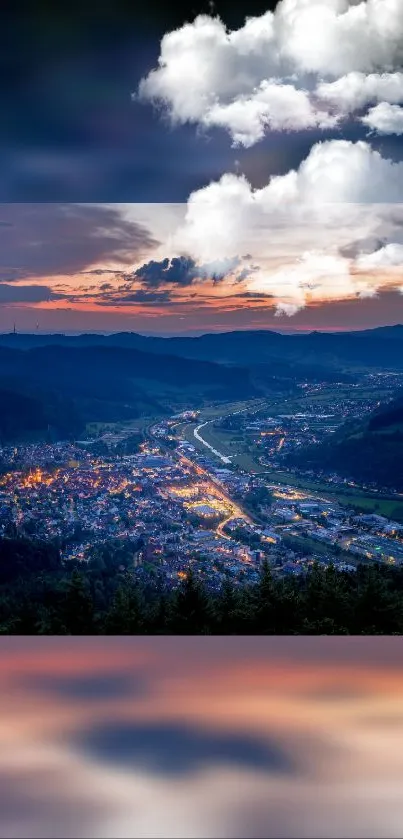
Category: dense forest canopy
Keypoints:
(41, 595)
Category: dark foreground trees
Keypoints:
(41, 596)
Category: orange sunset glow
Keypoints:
(139, 267)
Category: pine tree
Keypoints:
(78, 608)
(379, 607)
(159, 617)
(289, 607)
(267, 604)
(127, 614)
(328, 607)
(191, 612)
(227, 609)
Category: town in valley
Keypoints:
(207, 489)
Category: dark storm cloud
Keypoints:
(245, 273)
(181, 271)
(27, 293)
(39, 240)
(99, 272)
(255, 295)
(177, 750)
(93, 687)
(362, 246)
(141, 296)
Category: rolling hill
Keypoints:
(325, 353)
(63, 387)
(367, 451)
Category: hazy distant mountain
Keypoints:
(393, 332)
(344, 351)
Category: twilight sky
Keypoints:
(185, 170)
(201, 737)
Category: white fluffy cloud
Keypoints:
(334, 37)
(303, 66)
(313, 278)
(342, 193)
(281, 107)
(388, 259)
(356, 90)
(310, 64)
(336, 172)
(390, 256)
(385, 119)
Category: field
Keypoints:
(129, 427)
(220, 410)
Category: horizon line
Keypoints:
(198, 333)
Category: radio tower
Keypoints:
(14, 330)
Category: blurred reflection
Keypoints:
(201, 737)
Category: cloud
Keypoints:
(360, 247)
(385, 119)
(220, 269)
(279, 107)
(39, 240)
(342, 193)
(336, 173)
(89, 688)
(178, 750)
(313, 278)
(179, 271)
(56, 783)
(27, 293)
(255, 295)
(356, 90)
(142, 296)
(303, 66)
(99, 272)
(389, 256)
(182, 271)
(106, 295)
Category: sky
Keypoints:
(201, 737)
(185, 168)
